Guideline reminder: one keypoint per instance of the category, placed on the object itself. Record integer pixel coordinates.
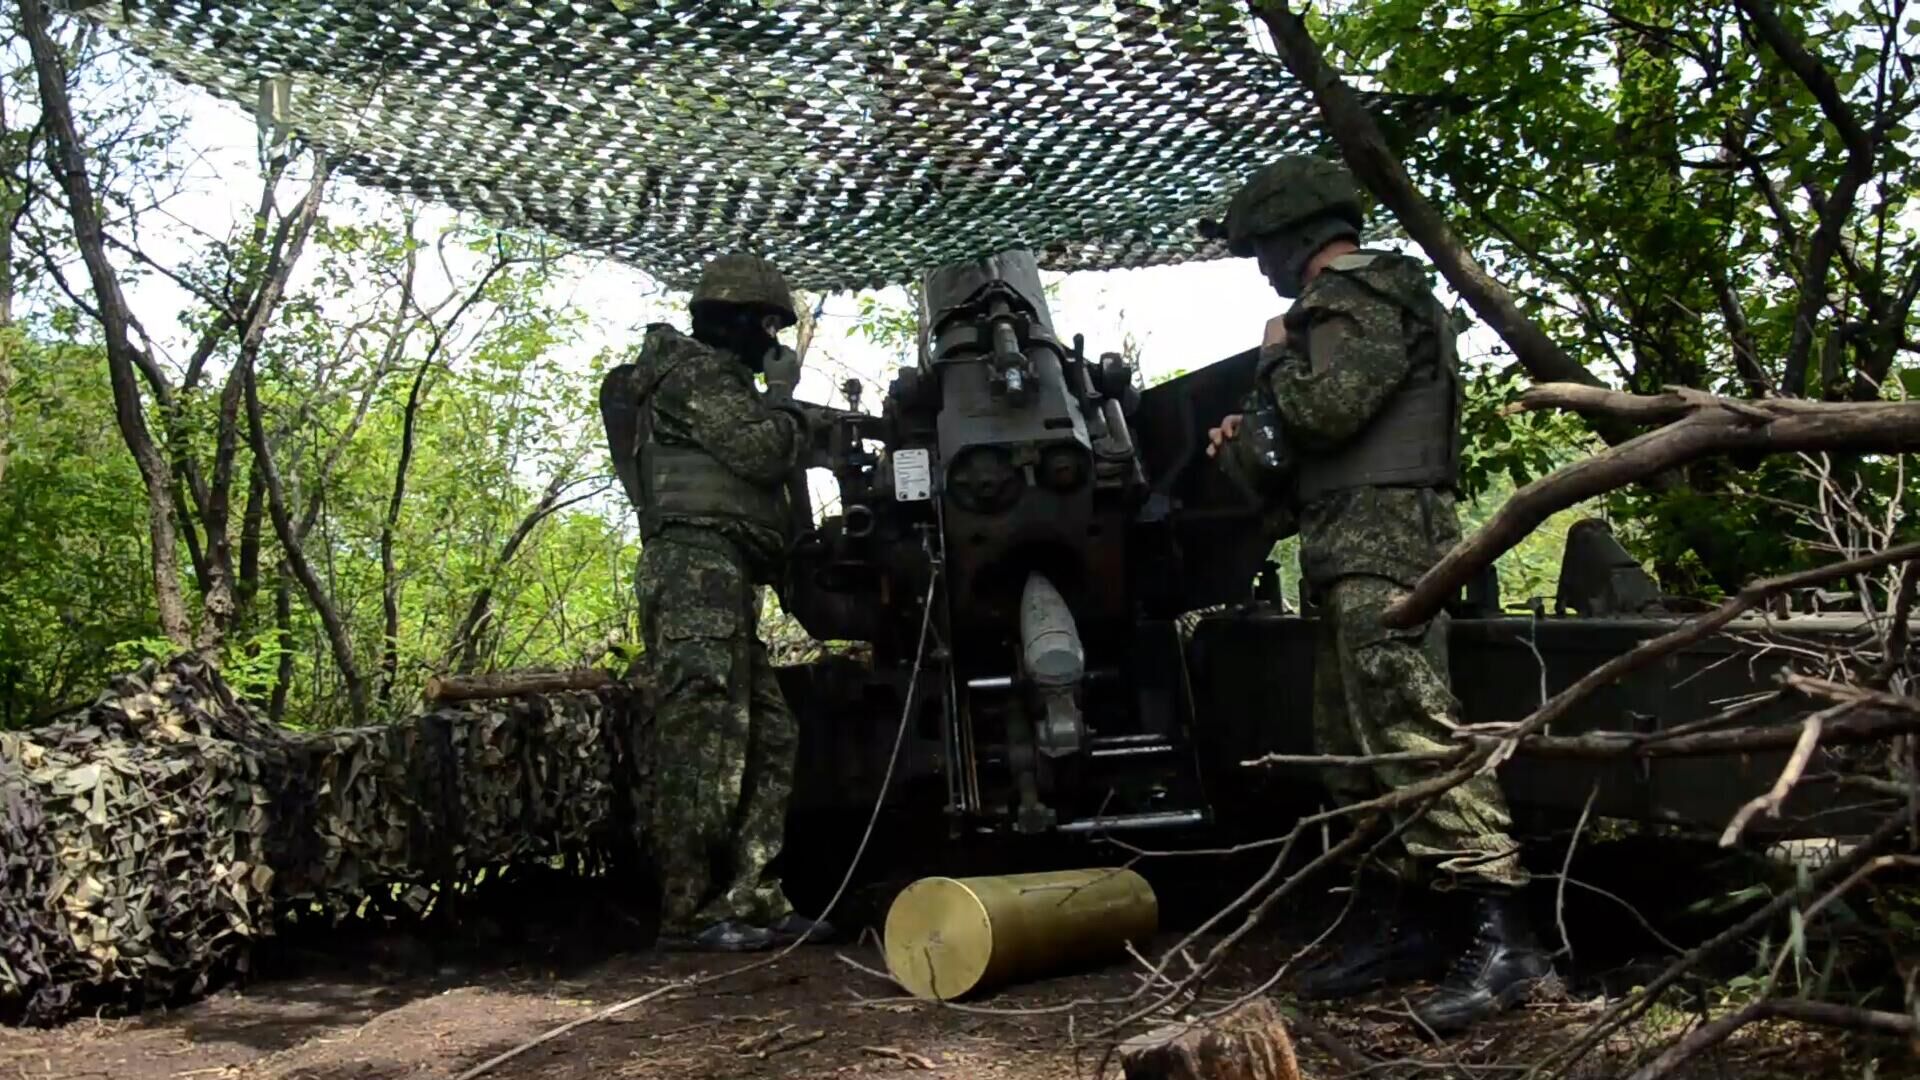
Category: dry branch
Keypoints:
(1867, 728)
(505, 684)
(1700, 424)
(1807, 1012)
(1770, 802)
(1636, 1006)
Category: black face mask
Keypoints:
(737, 330)
(1284, 256)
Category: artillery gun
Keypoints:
(1074, 609)
(1052, 695)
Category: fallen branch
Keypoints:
(1691, 631)
(1770, 802)
(505, 684)
(1807, 1012)
(1700, 425)
(1871, 727)
(1333, 1045)
(751, 1044)
(1637, 1005)
(1833, 691)
(905, 1057)
(554, 1033)
(782, 1045)
(1867, 728)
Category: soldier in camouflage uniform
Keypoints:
(705, 457)
(1356, 417)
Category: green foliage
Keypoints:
(1512, 450)
(75, 585)
(502, 412)
(1648, 177)
(889, 325)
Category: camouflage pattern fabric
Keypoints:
(1349, 349)
(1381, 691)
(723, 738)
(1287, 192)
(744, 279)
(704, 398)
(145, 844)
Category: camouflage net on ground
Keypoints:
(855, 143)
(147, 843)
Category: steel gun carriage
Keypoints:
(1006, 462)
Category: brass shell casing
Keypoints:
(949, 937)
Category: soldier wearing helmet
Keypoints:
(1355, 421)
(705, 457)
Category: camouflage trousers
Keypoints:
(724, 740)
(1379, 691)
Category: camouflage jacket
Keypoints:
(702, 398)
(1349, 348)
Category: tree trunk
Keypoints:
(70, 166)
(283, 629)
(1376, 166)
(288, 244)
(1250, 1043)
(246, 589)
(297, 560)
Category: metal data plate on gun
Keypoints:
(912, 475)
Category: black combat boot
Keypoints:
(1387, 938)
(1497, 970)
(724, 936)
(796, 926)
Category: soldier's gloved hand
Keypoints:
(783, 373)
(1217, 437)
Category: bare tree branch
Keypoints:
(1870, 1021)
(389, 572)
(296, 558)
(1833, 217)
(291, 240)
(466, 639)
(1698, 425)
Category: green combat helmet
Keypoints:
(745, 280)
(1285, 195)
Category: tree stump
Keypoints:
(1249, 1043)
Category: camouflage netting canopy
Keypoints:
(855, 142)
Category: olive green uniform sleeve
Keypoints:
(1355, 358)
(722, 413)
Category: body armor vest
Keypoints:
(673, 483)
(1414, 441)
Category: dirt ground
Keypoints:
(811, 1015)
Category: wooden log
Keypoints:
(1249, 1043)
(505, 684)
